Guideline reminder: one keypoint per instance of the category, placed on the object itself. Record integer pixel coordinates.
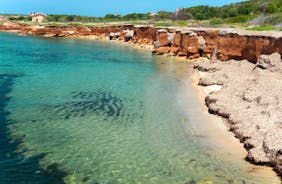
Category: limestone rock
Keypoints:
(269, 61)
(128, 35)
(156, 44)
(251, 103)
(171, 38)
(113, 36)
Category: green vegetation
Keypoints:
(70, 18)
(233, 10)
(106, 18)
(179, 23)
(262, 28)
(259, 14)
(19, 18)
(216, 21)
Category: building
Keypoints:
(152, 14)
(37, 17)
(179, 10)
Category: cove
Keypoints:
(82, 111)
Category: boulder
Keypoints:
(227, 31)
(128, 35)
(174, 50)
(182, 53)
(163, 37)
(156, 44)
(114, 36)
(202, 43)
(269, 61)
(162, 50)
(162, 31)
(192, 50)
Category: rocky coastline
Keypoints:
(249, 97)
(248, 83)
(189, 42)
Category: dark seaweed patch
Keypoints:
(102, 103)
(84, 103)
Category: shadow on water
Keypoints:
(14, 168)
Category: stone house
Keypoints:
(38, 17)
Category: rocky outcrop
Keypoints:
(221, 44)
(190, 43)
(128, 35)
(114, 36)
(269, 61)
(251, 102)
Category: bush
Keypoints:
(216, 21)
(75, 24)
(162, 24)
(20, 18)
(135, 16)
(180, 23)
(271, 8)
(239, 19)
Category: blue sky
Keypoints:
(100, 7)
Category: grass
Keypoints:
(240, 19)
(163, 24)
(262, 28)
(216, 21)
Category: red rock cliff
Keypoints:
(222, 44)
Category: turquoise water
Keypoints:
(78, 111)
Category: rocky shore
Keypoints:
(189, 43)
(249, 97)
(245, 89)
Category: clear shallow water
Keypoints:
(80, 111)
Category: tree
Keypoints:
(271, 8)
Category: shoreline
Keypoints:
(141, 42)
(259, 137)
(189, 42)
(117, 42)
(214, 129)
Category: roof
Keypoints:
(33, 14)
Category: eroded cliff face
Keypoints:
(220, 44)
(190, 43)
